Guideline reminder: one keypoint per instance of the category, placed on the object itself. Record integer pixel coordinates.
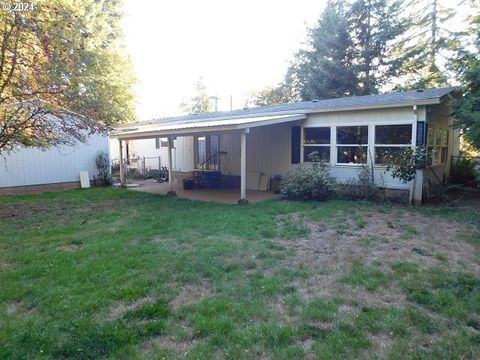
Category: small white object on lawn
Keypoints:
(253, 180)
(84, 179)
(263, 182)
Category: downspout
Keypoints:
(414, 142)
(419, 132)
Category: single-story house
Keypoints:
(254, 143)
(30, 169)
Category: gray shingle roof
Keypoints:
(338, 104)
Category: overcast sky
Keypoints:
(236, 46)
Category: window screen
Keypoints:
(393, 134)
(319, 135)
(352, 135)
(316, 140)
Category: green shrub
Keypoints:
(465, 171)
(362, 187)
(309, 182)
(102, 162)
(404, 165)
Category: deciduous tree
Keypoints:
(63, 73)
(273, 95)
(198, 103)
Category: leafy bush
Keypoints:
(404, 165)
(361, 188)
(465, 171)
(309, 182)
(102, 162)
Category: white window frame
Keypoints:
(375, 145)
(337, 145)
(161, 142)
(437, 148)
(302, 138)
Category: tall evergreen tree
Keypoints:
(349, 50)
(325, 69)
(424, 43)
(467, 67)
(373, 25)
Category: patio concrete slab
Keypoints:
(226, 196)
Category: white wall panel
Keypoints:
(28, 166)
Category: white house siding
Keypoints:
(404, 115)
(269, 147)
(28, 166)
(268, 150)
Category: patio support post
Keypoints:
(170, 192)
(243, 167)
(120, 157)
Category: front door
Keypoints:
(207, 148)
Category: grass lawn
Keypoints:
(107, 273)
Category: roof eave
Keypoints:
(409, 103)
(136, 135)
(431, 101)
(223, 128)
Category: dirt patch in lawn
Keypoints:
(381, 344)
(375, 239)
(119, 309)
(180, 347)
(70, 247)
(180, 341)
(6, 264)
(20, 309)
(381, 241)
(191, 293)
(61, 209)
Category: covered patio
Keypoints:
(236, 127)
(222, 195)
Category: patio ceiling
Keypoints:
(185, 128)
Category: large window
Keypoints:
(390, 140)
(437, 142)
(316, 140)
(352, 144)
